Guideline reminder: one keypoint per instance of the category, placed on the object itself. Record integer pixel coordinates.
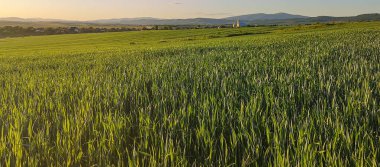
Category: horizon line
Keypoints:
(141, 17)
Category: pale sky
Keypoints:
(103, 9)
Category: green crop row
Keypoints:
(286, 98)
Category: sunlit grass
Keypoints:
(287, 98)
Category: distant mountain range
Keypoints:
(253, 19)
(263, 16)
(199, 21)
(17, 19)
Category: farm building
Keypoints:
(238, 24)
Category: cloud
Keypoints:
(178, 3)
(214, 14)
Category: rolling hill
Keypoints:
(263, 16)
(251, 19)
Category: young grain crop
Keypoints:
(280, 99)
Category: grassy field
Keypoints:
(265, 96)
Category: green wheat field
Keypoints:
(260, 96)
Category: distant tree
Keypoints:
(50, 31)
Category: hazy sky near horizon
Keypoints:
(102, 9)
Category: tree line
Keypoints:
(18, 31)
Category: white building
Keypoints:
(236, 24)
